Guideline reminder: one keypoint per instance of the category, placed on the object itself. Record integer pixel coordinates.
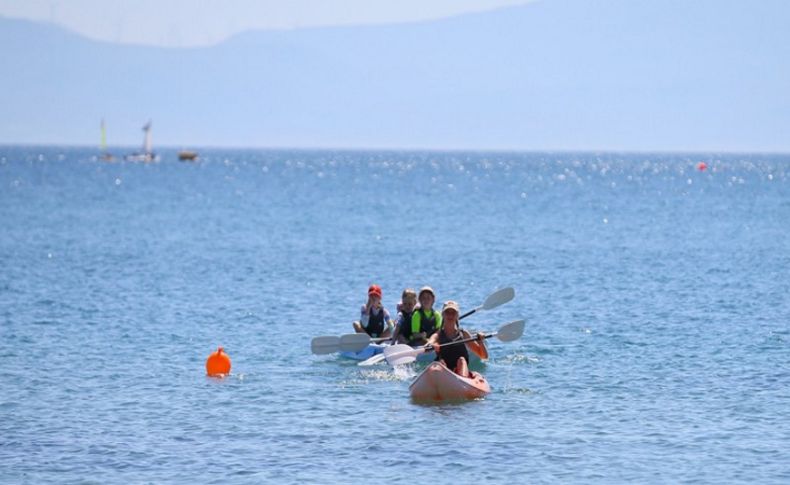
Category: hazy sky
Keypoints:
(181, 23)
(669, 75)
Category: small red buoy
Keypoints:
(218, 363)
(702, 166)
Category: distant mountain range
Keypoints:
(556, 74)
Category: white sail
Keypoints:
(147, 140)
(147, 155)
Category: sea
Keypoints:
(655, 289)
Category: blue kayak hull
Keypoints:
(365, 353)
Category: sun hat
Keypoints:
(428, 289)
(451, 305)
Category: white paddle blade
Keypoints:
(401, 354)
(396, 349)
(403, 358)
(397, 360)
(354, 342)
(373, 360)
(499, 297)
(325, 345)
(511, 331)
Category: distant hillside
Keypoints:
(561, 74)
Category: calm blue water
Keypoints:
(657, 346)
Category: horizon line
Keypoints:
(412, 149)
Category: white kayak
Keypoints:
(437, 383)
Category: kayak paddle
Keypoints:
(352, 342)
(495, 299)
(405, 354)
(499, 297)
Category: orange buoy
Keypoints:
(218, 363)
(702, 166)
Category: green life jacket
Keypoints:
(421, 322)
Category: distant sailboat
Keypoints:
(105, 155)
(147, 155)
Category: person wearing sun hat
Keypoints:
(456, 357)
(425, 321)
(374, 319)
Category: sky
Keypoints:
(620, 75)
(190, 23)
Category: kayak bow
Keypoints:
(438, 383)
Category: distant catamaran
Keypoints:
(105, 155)
(147, 155)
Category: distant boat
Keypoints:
(187, 155)
(105, 155)
(147, 155)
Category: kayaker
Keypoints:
(425, 321)
(408, 302)
(374, 319)
(456, 356)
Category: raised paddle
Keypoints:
(495, 299)
(352, 342)
(404, 354)
(499, 297)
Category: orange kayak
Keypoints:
(438, 383)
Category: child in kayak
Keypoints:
(374, 319)
(425, 321)
(456, 357)
(408, 302)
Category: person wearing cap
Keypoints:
(425, 321)
(456, 357)
(374, 319)
(406, 308)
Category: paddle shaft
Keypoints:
(412, 354)
(380, 357)
(428, 348)
(468, 313)
(404, 354)
(506, 333)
